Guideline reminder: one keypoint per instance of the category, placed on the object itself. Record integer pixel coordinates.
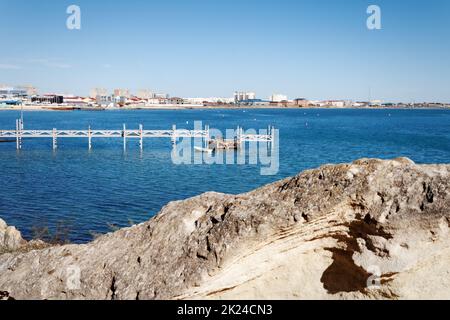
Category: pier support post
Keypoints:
(174, 135)
(239, 137)
(17, 134)
(54, 134)
(124, 137)
(208, 137)
(273, 139)
(20, 133)
(90, 138)
(141, 136)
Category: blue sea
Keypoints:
(91, 191)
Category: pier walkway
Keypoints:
(174, 134)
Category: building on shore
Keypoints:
(48, 99)
(359, 104)
(98, 92)
(254, 103)
(241, 96)
(376, 103)
(332, 103)
(209, 101)
(134, 102)
(156, 101)
(161, 96)
(13, 92)
(278, 98)
(122, 93)
(336, 103)
(4, 102)
(74, 100)
(120, 101)
(301, 103)
(176, 100)
(145, 94)
(105, 100)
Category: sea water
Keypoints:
(91, 191)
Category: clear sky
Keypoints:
(317, 49)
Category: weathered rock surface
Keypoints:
(368, 230)
(10, 238)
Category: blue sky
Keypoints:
(317, 49)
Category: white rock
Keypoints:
(3, 225)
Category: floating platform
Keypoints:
(221, 144)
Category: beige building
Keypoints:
(176, 100)
(302, 103)
(98, 92)
(145, 94)
(122, 93)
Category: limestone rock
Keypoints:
(369, 230)
(3, 225)
(10, 238)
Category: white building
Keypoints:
(278, 98)
(243, 96)
(337, 103)
(73, 100)
(319, 103)
(360, 104)
(13, 92)
(200, 101)
(161, 96)
(105, 100)
(376, 103)
(156, 101)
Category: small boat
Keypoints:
(90, 109)
(205, 150)
(7, 140)
(59, 108)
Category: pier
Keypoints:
(125, 134)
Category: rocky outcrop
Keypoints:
(368, 230)
(10, 238)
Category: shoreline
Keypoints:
(218, 107)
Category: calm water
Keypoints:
(91, 190)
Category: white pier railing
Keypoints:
(174, 134)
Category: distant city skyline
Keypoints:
(317, 49)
